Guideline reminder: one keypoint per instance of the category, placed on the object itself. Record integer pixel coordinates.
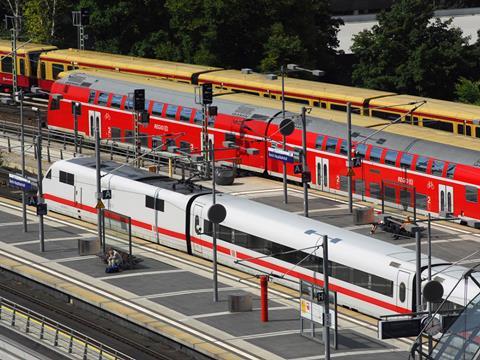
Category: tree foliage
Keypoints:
(410, 52)
(468, 91)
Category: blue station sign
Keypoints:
(283, 155)
(19, 182)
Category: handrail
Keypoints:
(55, 334)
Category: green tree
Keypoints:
(468, 91)
(43, 18)
(409, 52)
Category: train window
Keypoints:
(185, 114)
(331, 144)
(385, 115)
(361, 150)
(344, 183)
(49, 174)
(102, 98)
(477, 132)
(391, 157)
(66, 178)
(56, 69)
(157, 108)
(359, 187)
(295, 100)
(7, 64)
(464, 130)
(171, 111)
(437, 167)
(91, 97)
(224, 233)
(402, 293)
(415, 121)
(437, 124)
(405, 198)
(422, 163)
(128, 104)
(375, 154)
(115, 133)
(319, 142)
(451, 170)
(43, 70)
(323, 105)
(144, 140)
(375, 191)
(116, 101)
(129, 137)
(153, 203)
(344, 148)
(22, 67)
(185, 147)
(338, 107)
(471, 194)
(421, 201)
(198, 117)
(390, 194)
(406, 161)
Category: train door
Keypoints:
(197, 230)
(404, 290)
(445, 198)
(322, 168)
(92, 116)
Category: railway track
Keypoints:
(108, 332)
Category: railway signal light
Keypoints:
(139, 99)
(144, 117)
(306, 176)
(207, 93)
(84, 16)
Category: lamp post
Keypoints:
(306, 176)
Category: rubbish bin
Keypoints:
(362, 216)
(88, 246)
(239, 302)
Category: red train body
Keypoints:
(405, 169)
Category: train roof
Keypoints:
(449, 109)
(6, 46)
(313, 89)
(117, 62)
(136, 174)
(401, 137)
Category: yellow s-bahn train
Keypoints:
(449, 116)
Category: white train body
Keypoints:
(371, 276)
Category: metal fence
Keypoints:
(55, 335)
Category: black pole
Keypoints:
(326, 315)
(349, 157)
(40, 200)
(304, 161)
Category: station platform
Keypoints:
(171, 293)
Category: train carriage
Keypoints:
(52, 63)
(408, 169)
(27, 63)
(254, 237)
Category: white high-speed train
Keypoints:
(371, 276)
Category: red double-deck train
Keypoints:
(409, 169)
